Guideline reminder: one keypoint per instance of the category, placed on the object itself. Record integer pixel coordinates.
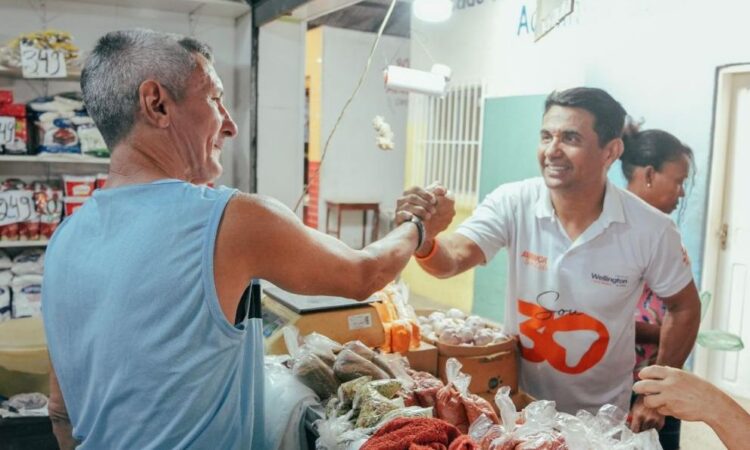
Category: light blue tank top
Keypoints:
(143, 353)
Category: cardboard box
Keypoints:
(471, 350)
(521, 400)
(488, 372)
(424, 359)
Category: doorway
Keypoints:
(727, 252)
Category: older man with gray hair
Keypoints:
(142, 284)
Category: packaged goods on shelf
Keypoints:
(72, 204)
(50, 205)
(92, 141)
(101, 180)
(5, 307)
(27, 296)
(10, 52)
(5, 262)
(19, 146)
(62, 125)
(6, 96)
(79, 185)
(28, 262)
(43, 217)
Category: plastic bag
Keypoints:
(720, 340)
(317, 340)
(337, 433)
(347, 392)
(449, 406)
(540, 426)
(426, 389)
(310, 368)
(386, 388)
(286, 402)
(361, 349)
(350, 365)
(408, 412)
(372, 406)
(508, 414)
(455, 404)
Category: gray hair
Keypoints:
(121, 61)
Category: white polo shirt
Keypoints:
(572, 303)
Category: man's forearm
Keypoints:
(387, 258)
(730, 422)
(58, 415)
(440, 264)
(647, 333)
(63, 431)
(677, 338)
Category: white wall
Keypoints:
(657, 58)
(355, 169)
(281, 103)
(88, 22)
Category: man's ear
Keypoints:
(153, 99)
(613, 150)
(649, 173)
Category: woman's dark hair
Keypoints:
(650, 148)
(654, 148)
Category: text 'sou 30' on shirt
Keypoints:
(572, 303)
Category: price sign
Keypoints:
(42, 62)
(17, 206)
(7, 130)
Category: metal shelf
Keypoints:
(23, 243)
(17, 74)
(56, 158)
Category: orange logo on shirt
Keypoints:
(534, 260)
(542, 325)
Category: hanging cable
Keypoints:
(348, 102)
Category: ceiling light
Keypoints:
(432, 10)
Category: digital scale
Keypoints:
(338, 318)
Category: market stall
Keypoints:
(349, 394)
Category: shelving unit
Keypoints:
(17, 244)
(17, 74)
(54, 158)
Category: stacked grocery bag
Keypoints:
(21, 284)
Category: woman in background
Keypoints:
(656, 165)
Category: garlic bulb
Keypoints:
(484, 336)
(455, 313)
(450, 336)
(467, 335)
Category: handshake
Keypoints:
(434, 205)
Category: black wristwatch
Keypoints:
(420, 230)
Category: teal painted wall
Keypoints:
(509, 141)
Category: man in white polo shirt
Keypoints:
(579, 251)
